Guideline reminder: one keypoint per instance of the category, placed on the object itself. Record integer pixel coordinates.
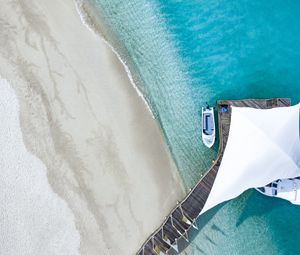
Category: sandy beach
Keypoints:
(104, 155)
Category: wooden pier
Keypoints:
(185, 214)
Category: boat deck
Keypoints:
(182, 217)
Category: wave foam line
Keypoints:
(85, 18)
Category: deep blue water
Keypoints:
(184, 53)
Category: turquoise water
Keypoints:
(184, 53)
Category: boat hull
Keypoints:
(208, 126)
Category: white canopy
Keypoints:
(263, 146)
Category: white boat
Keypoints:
(208, 126)
(288, 189)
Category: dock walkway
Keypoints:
(184, 215)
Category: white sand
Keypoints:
(80, 115)
(34, 220)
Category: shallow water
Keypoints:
(184, 53)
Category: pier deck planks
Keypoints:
(174, 227)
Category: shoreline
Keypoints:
(104, 153)
(85, 15)
(158, 72)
